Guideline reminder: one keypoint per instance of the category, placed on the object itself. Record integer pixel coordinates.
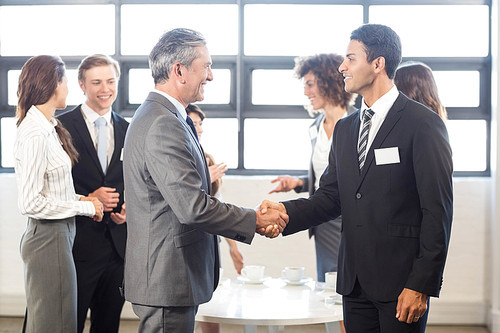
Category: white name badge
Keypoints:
(387, 155)
(121, 155)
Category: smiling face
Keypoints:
(197, 76)
(358, 73)
(311, 90)
(99, 86)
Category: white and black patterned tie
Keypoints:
(363, 137)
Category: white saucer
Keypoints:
(297, 283)
(247, 280)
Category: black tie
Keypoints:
(191, 124)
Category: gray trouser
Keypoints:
(171, 319)
(50, 276)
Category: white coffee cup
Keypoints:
(331, 279)
(253, 272)
(293, 273)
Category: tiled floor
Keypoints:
(14, 325)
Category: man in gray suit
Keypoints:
(172, 260)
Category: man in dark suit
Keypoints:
(99, 248)
(172, 259)
(390, 175)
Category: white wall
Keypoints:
(465, 295)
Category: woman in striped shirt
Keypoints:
(43, 159)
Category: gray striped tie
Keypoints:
(363, 137)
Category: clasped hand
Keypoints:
(99, 208)
(271, 219)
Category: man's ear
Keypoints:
(177, 69)
(82, 86)
(379, 64)
(177, 72)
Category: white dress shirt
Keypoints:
(90, 117)
(321, 154)
(381, 107)
(43, 171)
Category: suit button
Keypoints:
(240, 238)
(358, 195)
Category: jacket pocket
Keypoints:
(187, 238)
(403, 230)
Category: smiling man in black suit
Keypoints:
(99, 248)
(390, 175)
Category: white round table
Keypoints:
(273, 303)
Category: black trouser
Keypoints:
(362, 314)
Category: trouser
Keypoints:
(363, 314)
(50, 276)
(172, 319)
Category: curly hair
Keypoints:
(329, 80)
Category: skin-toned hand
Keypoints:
(411, 306)
(217, 171)
(108, 196)
(235, 255)
(267, 204)
(99, 210)
(271, 224)
(119, 218)
(286, 183)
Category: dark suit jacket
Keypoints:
(396, 217)
(87, 177)
(172, 250)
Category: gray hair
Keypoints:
(177, 45)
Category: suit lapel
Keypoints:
(82, 130)
(390, 121)
(171, 108)
(119, 136)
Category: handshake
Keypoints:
(271, 219)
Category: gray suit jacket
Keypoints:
(172, 251)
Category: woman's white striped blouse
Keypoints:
(43, 172)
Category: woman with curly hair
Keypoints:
(324, 86)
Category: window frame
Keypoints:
(241, 67)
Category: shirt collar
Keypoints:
(39, 117)
(180, 108)
(91, 115)
(382, 106)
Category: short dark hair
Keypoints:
(380, 41)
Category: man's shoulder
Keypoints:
(72, 113)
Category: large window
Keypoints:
(256, 122)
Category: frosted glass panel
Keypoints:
(454, 31)
(299, 29)
(277, 87)
(290, 135)
(142, 25)
(58, 30)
